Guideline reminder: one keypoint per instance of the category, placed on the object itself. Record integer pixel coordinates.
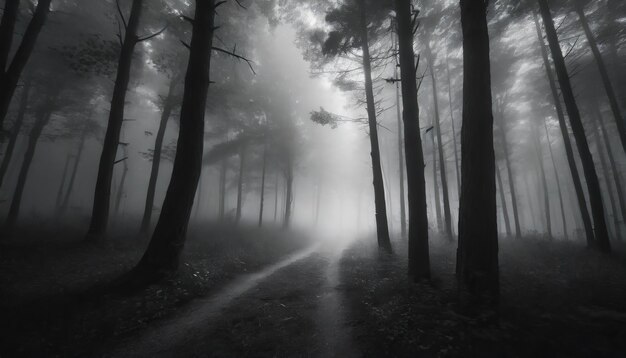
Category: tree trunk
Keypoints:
(263, 185)
(120, 189)
(505, 211)
(276, 199)
(419, 256)
(608, 87)
(156, 157)
(15, 131)
(222, 206)
(616, 177)
(477, 258)
(509, 170)
(400, 151)
(382, 227)
(593, 184)
(102, 195)
(531, 209)
(63, 179)
(558, 182)
(7, 27)
(544, 183)
(436, 184)
(70, 186)
(442, 157)
(10, 78)
(162, 255)
(607, 180)
(456, 152)
(289, 193)
(578, 187)
(42, 119)
(242, 161)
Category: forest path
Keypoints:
(292, 307)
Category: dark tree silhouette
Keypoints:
(419, 258)
(162, 255)
(477, 255)
(593, 184)
(10, 76)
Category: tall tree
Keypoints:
(419, 256)
(356, 23)
(604, 74)
(15, 131)
(593, 184)
(571, 161)
(42, 117)
(102, 193)
(477, 255)
(505, 211)
(614, 170)
(9, 76)
(442, 157)
(544, 181)
(509, 170)
(162, 255)
(400, 150)
(242, 163)
(168, 106)
(558, 181)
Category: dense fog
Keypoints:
(175, 139)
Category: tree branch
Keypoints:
(233, 54)
(146, 38)
(119, 11)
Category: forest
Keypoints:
(312, 178)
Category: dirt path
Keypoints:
(292, 308)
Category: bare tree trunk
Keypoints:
(558, 182)
(168, 239)
(616, 177)
(276, 199)
(442, 157)
(593, 184)
(289, 193)
(477, 255)
(70, 186)
(10, 77)
(222, 207)
(7, 27)
(263, 185)
(400, 151)
(42, 119)
(436, 184)
(102, 194)
(505, 211)
(578, 187)
(607, 180)
(608, 87)
(15, 131)
(509, 170)
(531, 209)
(120, 189)
(242, 161)
(382, 227)
(63, 180)
(456, 152)
(168, 105)
(419, 256)
(544, 183)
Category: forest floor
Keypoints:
(54, 299)
(274, 296)
(558, 299)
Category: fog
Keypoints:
(175, 139)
